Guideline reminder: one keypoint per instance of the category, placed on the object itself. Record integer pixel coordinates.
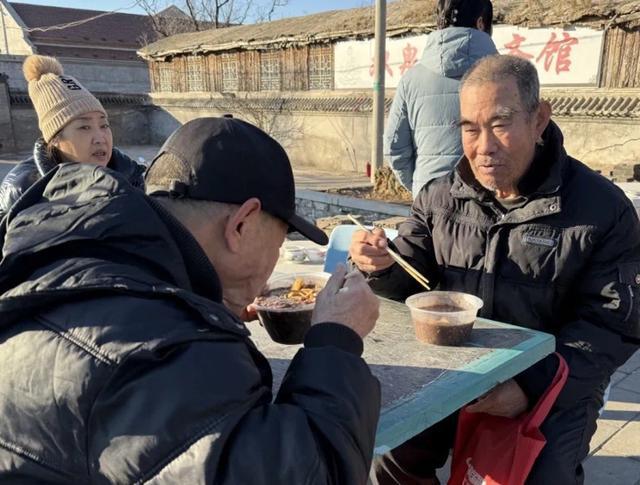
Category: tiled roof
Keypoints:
(107, 99)
(402, 17)
(88, 53)
(117, 30)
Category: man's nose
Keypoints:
(486, 142)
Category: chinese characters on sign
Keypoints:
(554, 50)
(514, 47)
(569, 57)
(354, 61)
(410, 58)
(559, 48)
(386, 65)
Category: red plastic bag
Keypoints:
(492, 450)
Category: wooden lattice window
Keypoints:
(195, 73)
(229, 63)
(165, 77)
(270, 71)
(321, 67)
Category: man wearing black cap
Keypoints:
(123, 353)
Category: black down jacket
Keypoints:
(27, 172)
(119, 363)
(566, 260)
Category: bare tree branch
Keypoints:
(193, 14)
(197, 15)
(274, 6)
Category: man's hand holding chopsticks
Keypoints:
(368, 250)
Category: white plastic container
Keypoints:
(315, 255)
(294, 253)
(443, 317)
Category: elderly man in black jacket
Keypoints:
(544, 241)
(123, 357)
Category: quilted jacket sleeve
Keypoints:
(206, 415)
(415, 244)
(15, 183)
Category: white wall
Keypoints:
(11, 34)
(123, 77)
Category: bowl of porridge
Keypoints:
(285, 306)
(443, 317)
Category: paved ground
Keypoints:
(310, 179)
(615, 448)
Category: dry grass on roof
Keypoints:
(402, 16)
(555, 12)
(324, 26)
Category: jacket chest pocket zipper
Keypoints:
(631, 298)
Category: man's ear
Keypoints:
(542, 117)
(480, 24)
(238, 224)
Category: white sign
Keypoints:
(354, 61)
(569, 57)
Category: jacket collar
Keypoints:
(203, 278)
(122, 163)
(41, 158)
(119, 162)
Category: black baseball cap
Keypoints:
(231, 161)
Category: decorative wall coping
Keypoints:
(597, 106)
(591, 103)
(109, 99)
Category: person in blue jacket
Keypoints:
(75, 128)
(422, 139)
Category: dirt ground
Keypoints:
(386, 189)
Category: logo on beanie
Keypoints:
(70, 83)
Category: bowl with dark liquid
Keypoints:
(286, 304)
(443, 317)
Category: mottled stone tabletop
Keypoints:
(422, 383)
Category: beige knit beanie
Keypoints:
(57, 99)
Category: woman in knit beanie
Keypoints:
(74, 126)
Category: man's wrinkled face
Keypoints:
(498, 135)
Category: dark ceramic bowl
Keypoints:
(288, 325)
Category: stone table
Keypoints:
(421, 383)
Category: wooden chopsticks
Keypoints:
(397, 258)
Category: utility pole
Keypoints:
(378, 87)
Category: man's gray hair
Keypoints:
(194, 213)
(168, 168)
(498, 67)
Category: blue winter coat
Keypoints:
(422, 139)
